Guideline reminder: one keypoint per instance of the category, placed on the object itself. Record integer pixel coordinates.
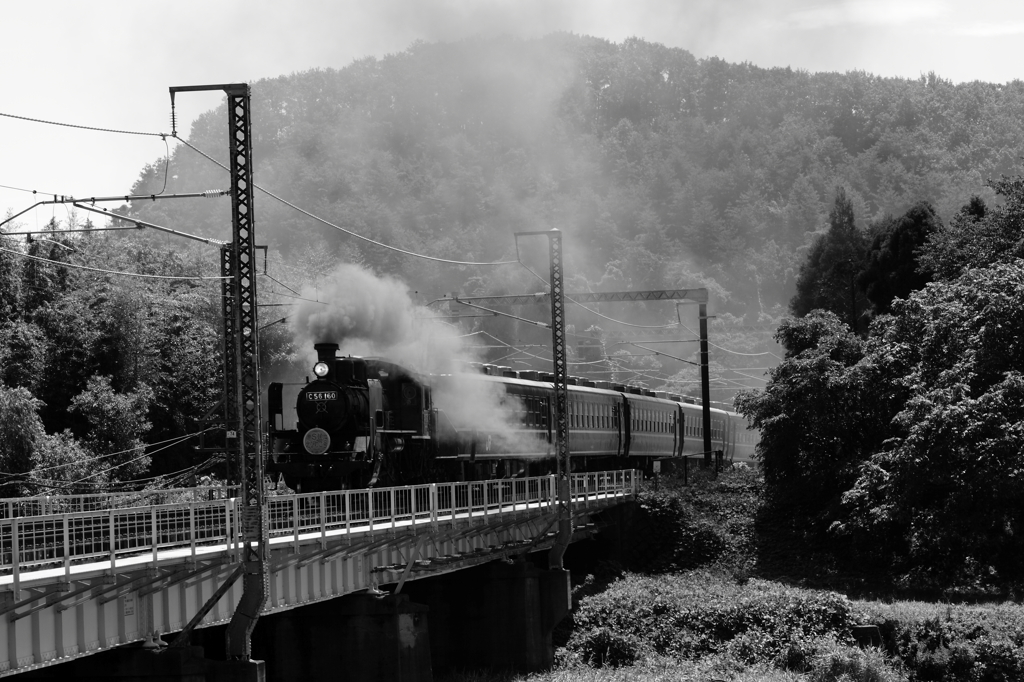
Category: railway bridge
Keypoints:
(85, 575)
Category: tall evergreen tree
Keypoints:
(828, 278)
(892, 269)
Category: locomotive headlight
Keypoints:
(320, 369)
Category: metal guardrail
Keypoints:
(61, 540)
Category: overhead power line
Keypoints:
(81, 127)
(265, 191)
(338, 227)
(590, 310)
(174, 441)
(733, 352)
(108, 272)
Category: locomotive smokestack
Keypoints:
(326, 352)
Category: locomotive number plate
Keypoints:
(322, 395)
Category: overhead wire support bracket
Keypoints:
(126, 198)
(694, 295)
(138, 225)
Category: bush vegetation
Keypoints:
(696, 606)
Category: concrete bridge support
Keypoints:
(360, 637)
(497, 616)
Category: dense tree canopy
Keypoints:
(94, 365)
(945, 488)
(908, 443)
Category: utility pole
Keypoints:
(558, 355)
(242, 369)
(705, 382)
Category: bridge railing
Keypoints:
(12, 507)
(61, 540)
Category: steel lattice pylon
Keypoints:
(230, 362)
(242, 389)
(252, 512)
(558, 357)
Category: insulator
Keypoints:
(213, 193)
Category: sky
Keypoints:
(109, 63)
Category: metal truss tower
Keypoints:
(242, 395)
(560, 363)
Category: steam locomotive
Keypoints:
(363, 422)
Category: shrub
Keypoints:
(850, 664)
(681, 528)
(697, 614)
(603, 646)
(952, 642)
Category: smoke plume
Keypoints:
(370, 315)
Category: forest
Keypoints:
(780, 191)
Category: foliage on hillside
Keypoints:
(661, 169)
(93, 365)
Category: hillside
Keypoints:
(662, 170)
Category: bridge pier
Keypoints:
(497, 616)
(359, 637)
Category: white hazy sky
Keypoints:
(108, 63)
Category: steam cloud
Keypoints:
(370, 315)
